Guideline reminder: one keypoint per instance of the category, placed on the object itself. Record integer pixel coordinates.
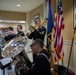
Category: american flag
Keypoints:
(58, 38)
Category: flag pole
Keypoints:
(50, 53)
(56, 4)
(51, 57)
(70, 53)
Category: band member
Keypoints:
(10, 35)
(19, 30)
(41, 66)
(39, 32)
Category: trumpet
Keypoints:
(4, 34)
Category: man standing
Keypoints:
(41, 66)
(39, 31)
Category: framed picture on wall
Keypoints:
(36, 17)
(74, 13)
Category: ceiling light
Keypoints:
(18, 5)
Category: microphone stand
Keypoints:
(66, 72)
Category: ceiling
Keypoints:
(25, 5)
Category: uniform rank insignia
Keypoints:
(42, 32)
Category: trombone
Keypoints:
(32, 28)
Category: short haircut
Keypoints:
(20, 26)
(38, 18)
(10, 28)
(39, 42)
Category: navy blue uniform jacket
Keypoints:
(38, 33)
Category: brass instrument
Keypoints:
(16, 50)
(23, 62)
(32, 28)
(14, 47)
(4, 34)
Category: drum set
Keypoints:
(16, 50)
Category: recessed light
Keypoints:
(18, 5)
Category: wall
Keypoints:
(68, 30)
(68, 19)
(8, 15)
(38, 10)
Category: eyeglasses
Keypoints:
(32, 45)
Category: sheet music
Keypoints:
(5, 61)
